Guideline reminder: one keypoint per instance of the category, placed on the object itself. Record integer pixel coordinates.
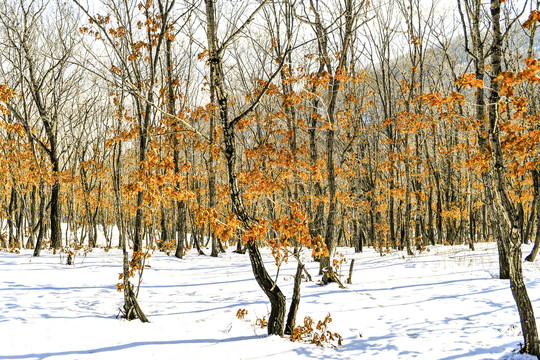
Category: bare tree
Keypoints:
(228, 123)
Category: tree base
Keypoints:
(132, 310)
(329, 275)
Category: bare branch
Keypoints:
(239, 30)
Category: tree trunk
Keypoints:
(164, 226)
(272, 291)
(138, 236)
(92, 233)
(56, 231)
(32, 219)
(438, 211)
(470, 213)
(408, 206)
(180, 228)
(536, 185)
(391, 222)
(180, 224)
(295, 302)
(431, 232)
(316, 216)
(357, 241)
(519, 291)
(20, 221)
(41, 220)
(532, 256)
(212, 174)
(11, 217)
(530, 222)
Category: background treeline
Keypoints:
(92, 98)
(88, 140)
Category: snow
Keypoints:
(443, 304)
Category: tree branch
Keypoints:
(265, 88)
(239, 30)
(163, 112)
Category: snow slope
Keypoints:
(443, 304)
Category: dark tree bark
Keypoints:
(316, 216)
(11, 217)
(92, 227)
(180, 228)
(536, 186)
(164, 237)
(212, 173)
(32, 219)
(295, 301)
(41, 220)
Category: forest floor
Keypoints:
(445, 303)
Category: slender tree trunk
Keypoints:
(408, 206)
(92, 234)
(316, 216)
(391, 215)
(138, 236)
(56, 231)
(179, 223)
(530, 222)
(20, 221)
(32, 219)
(295, 302)
(41, 220)
(180, 228)
(536, 186)
(357, 233)
(212, 174)
(438, 211)
(164, 226)
(418, 223)
(532, 256)
(11, 217)
(431, 232)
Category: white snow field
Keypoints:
(443, 304)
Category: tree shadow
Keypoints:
(126, 346)
(480, 351)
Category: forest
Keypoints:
(283, 127)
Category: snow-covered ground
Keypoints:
(443, 304)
